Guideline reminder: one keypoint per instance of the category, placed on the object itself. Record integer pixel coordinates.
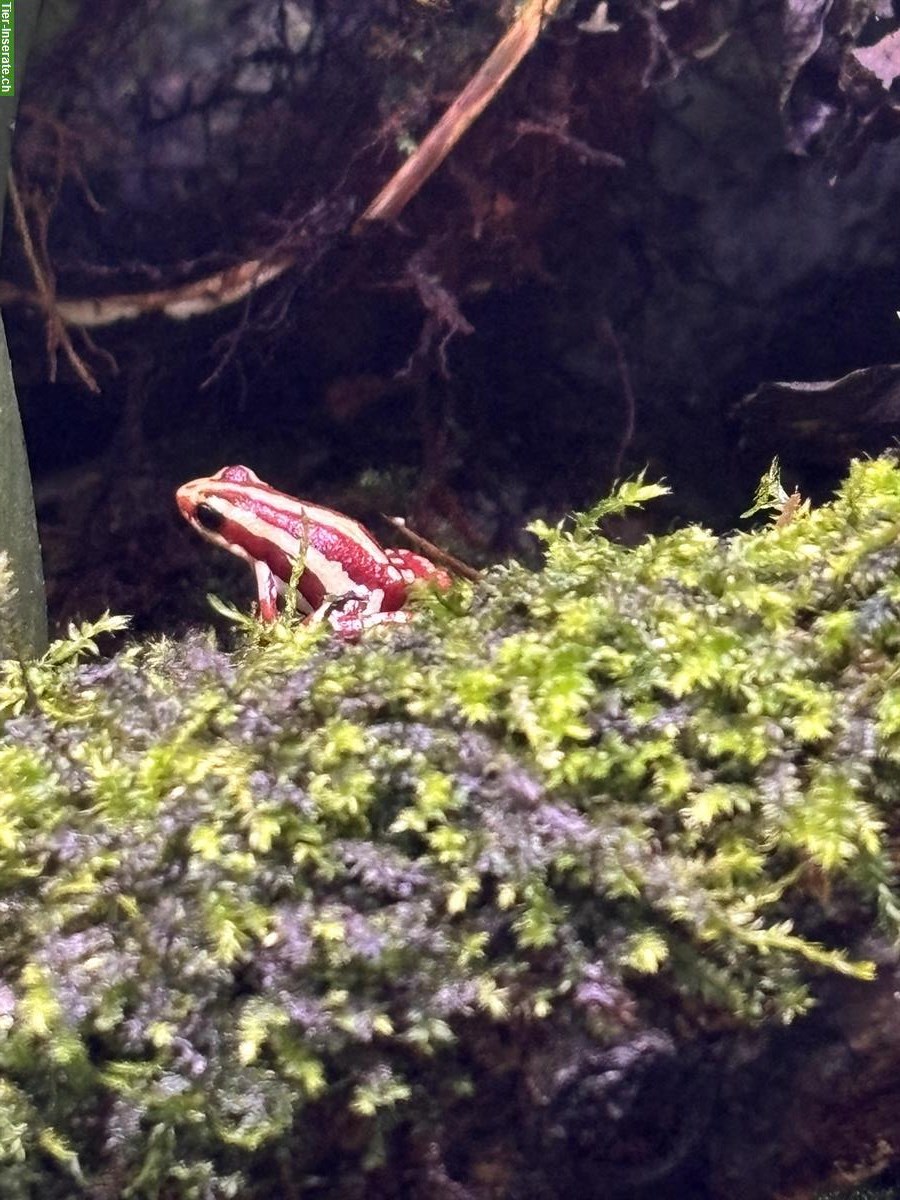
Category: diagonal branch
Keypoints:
(465, 109)
(180, 302)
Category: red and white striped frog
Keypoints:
(347, 578)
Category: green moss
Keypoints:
(862, 1193)
(260, 899)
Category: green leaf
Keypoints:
(769, 492)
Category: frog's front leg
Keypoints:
(266, 590)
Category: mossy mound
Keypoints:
(260, 911)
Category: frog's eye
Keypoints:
(207, 516)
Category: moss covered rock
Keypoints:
(287, 917)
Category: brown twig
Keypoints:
(443, 322)
(435, 553)
(57, 335)
(65, 154)
(468, 105)
(109, 360)
(306, 242)
(608, 334)
(556, 128)
(181, 302)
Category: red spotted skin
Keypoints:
(349, 579)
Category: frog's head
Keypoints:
(216, 505)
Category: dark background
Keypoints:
(539, 320)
